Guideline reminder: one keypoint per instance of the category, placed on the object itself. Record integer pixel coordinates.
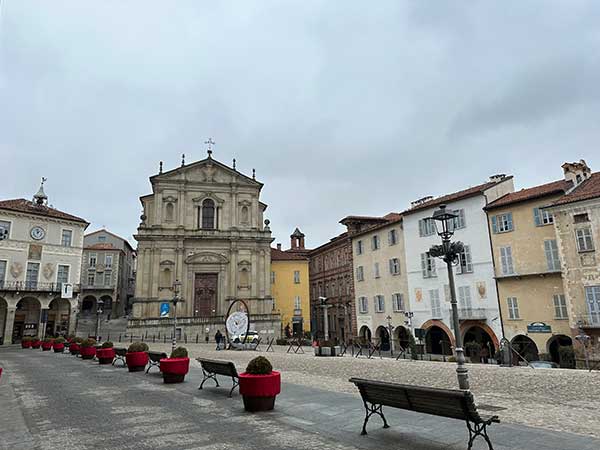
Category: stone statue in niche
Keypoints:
(48, 270)
(245, 216)
(244, 277)
(169, 212)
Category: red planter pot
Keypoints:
(174, 370)
(25, 344)
(259, 391)
(87, 352)
(46, 346)
(105, 355)
(58, 348)
(36, 344)
(74, 348)
(136, 361)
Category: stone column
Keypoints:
(42, 325)
(254, 274)
(261, 274)
(8, 324)
(233, 283)
(158, 208)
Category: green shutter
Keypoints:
(537, 217)
(494, 224)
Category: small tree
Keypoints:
(566, 356)
(412, 345)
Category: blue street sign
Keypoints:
(164, 309)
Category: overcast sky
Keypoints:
(342, 107)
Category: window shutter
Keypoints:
(537, 217)
(494, 224)
(391, 266)
(469, 260)
(421, 228)
(433, 268)
(461, 214)
(424, 264)
(503, 260)
(510, 221)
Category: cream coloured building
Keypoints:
(203, 225)
(40, 254)
(380, 282)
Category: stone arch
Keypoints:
(383, 336)
(465, 327)
(27, 318)
(442, 325)
(526, 347)
(438, 341)
(59, 313)
(107, 305)
(88, 305)
(402, 336)
(553, 344)
(478, 334)
(365, 333)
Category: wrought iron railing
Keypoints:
(471, 314)
(33, 286)
(588, 320)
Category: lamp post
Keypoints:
(390, 333)
(325, 307)
(584, 340)
(98, 313)
(449, 252)
(176, 290)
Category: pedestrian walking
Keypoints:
(218, 338)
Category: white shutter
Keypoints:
(424, 265)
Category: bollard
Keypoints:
(153, 338)
(196, 338)
(185, 338)
(130, 338)
(165, 339)
(142, 338)
(119, 337)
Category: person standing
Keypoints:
(218, 338)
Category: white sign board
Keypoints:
(66, 290)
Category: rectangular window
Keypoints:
(502, 223)
(585, 242)
(506, 261)
(360, 273)
(376, 270)
(426, 227)
(91, 279)
(359, 247)
(272, 277)
(436, 307)
(3, 265)
(395, 266)
(459, 222)
(392, 237)
(581, 218)
(107, 278)
(552, 259)
(398, 302)
(464, 297)
(101, 238)
(5, 228)
(108, 260)
(62, 275)
(297, 276)
(297, 302)
(592, 295)
(375, 242)
(428, 265)
(465, 262)
(379, 303)
(363, 305)
(560, 307)
(513, 308)
(31, 278)
(542, 217)
(93, 259)
(66, 238)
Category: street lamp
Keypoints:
(390, 333)
(325, 307)
(176, 290)
(98, 313)
(449, 252)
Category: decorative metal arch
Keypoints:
(227, 316)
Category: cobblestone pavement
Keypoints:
(555, 399)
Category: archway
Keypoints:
(402, 337)
(479, 345)
(437, 342)
(365, 333)
(58, 317)
(3, 314)
(384, 338)
(107, 305)
(27, 319)
(525, 347)
(553, 345)
(88, 305)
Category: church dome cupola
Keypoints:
(40, 198)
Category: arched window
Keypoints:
(208, 214)
(245, 214)
(169, 209)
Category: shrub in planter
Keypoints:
(75, 345)
(26, 342)
(106, 353)
(176, 367)
(259, 385)
(46, 344)
(59, 345)
(87, 348)
(35, 342)
(566, 357)
(136, 357)
(474, 351)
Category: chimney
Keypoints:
(279, 246)
(497, 177)
(576, 172)
(297, 240)
(420, 201)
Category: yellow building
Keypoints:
(289, 285)
(528, 270)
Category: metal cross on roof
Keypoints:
(210, 143)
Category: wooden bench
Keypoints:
(453, 404)
(212, 367)
(120, 355)
(154, 359)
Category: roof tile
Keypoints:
(556, 187)
(26, 206)
(587, 190)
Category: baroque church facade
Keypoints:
(203, 226)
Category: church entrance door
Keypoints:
(205, 294)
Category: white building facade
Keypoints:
(428, 286)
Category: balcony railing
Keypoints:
(471, 314)
(97, 287)
(588, 320)
(33, 286)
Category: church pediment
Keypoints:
(206, 258)
(218, 200)
(208, 170)
(167, 262)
